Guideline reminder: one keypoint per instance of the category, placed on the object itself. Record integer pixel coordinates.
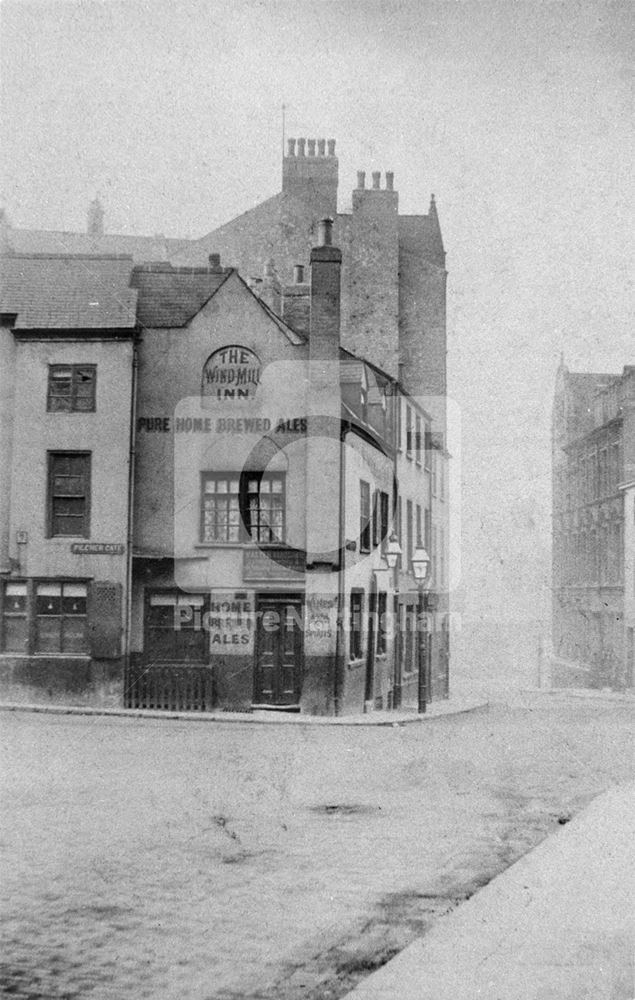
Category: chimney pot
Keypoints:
(301, 145)
(214, 261)
(321, 143)
(325, 232)
(331, 147)
(390, 179)
(298, 274)
(376, 178)
(291, 147)
(361, 179)
(311, 145)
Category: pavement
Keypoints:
(436, 709)
(558, 925)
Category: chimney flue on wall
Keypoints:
(291, 147)
(361, 179)
(298, 274)
(376, 179)
(325, 233)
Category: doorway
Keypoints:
(279, 650)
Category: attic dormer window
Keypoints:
(71, 388)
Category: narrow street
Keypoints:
(196, 861)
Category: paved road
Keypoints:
(196, 861)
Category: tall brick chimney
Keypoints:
(326, 266)
(323, 470)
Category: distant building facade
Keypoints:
(205, 470)
(593, 529)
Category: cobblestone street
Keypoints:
(196, 861)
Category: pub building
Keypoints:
(203, 482)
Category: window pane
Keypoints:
(49, 631)
(74, 640)
(58, 403)
(161, 599)
(68, 526)
(15, 634)
(73, 604)
(15, 597)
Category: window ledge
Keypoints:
(45, 656)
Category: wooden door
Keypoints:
(279, 651)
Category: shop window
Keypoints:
(60, 617)
(364, 516)
(265, 508)
(382, 623)
(175, 627)
(14, 617)
(68, 493)
(71, 388)
(355, 629)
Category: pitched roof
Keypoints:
(171, 296)
(68, 292)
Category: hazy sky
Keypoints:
(519, 117)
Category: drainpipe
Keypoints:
(340, 647)
(132, 449)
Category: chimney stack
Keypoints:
(301, 145)
(390, 180)
(311, 145)
(298, 274)
(376, 179)
(321, 143)
(361, 179)
(331, 147)
(270, 287)
(214, 262)
(326, 264)
(95, 225)
(291, 147)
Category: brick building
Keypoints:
(593, 529)
(208, 451)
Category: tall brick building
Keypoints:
(280, 419)
(593, 529)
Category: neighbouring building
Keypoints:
(206, 466)
(594, 529)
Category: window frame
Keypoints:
(52, 496)
(31, 617)
(62, 616)
(244, 531)
(73, 396)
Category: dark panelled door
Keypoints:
(279, 649)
